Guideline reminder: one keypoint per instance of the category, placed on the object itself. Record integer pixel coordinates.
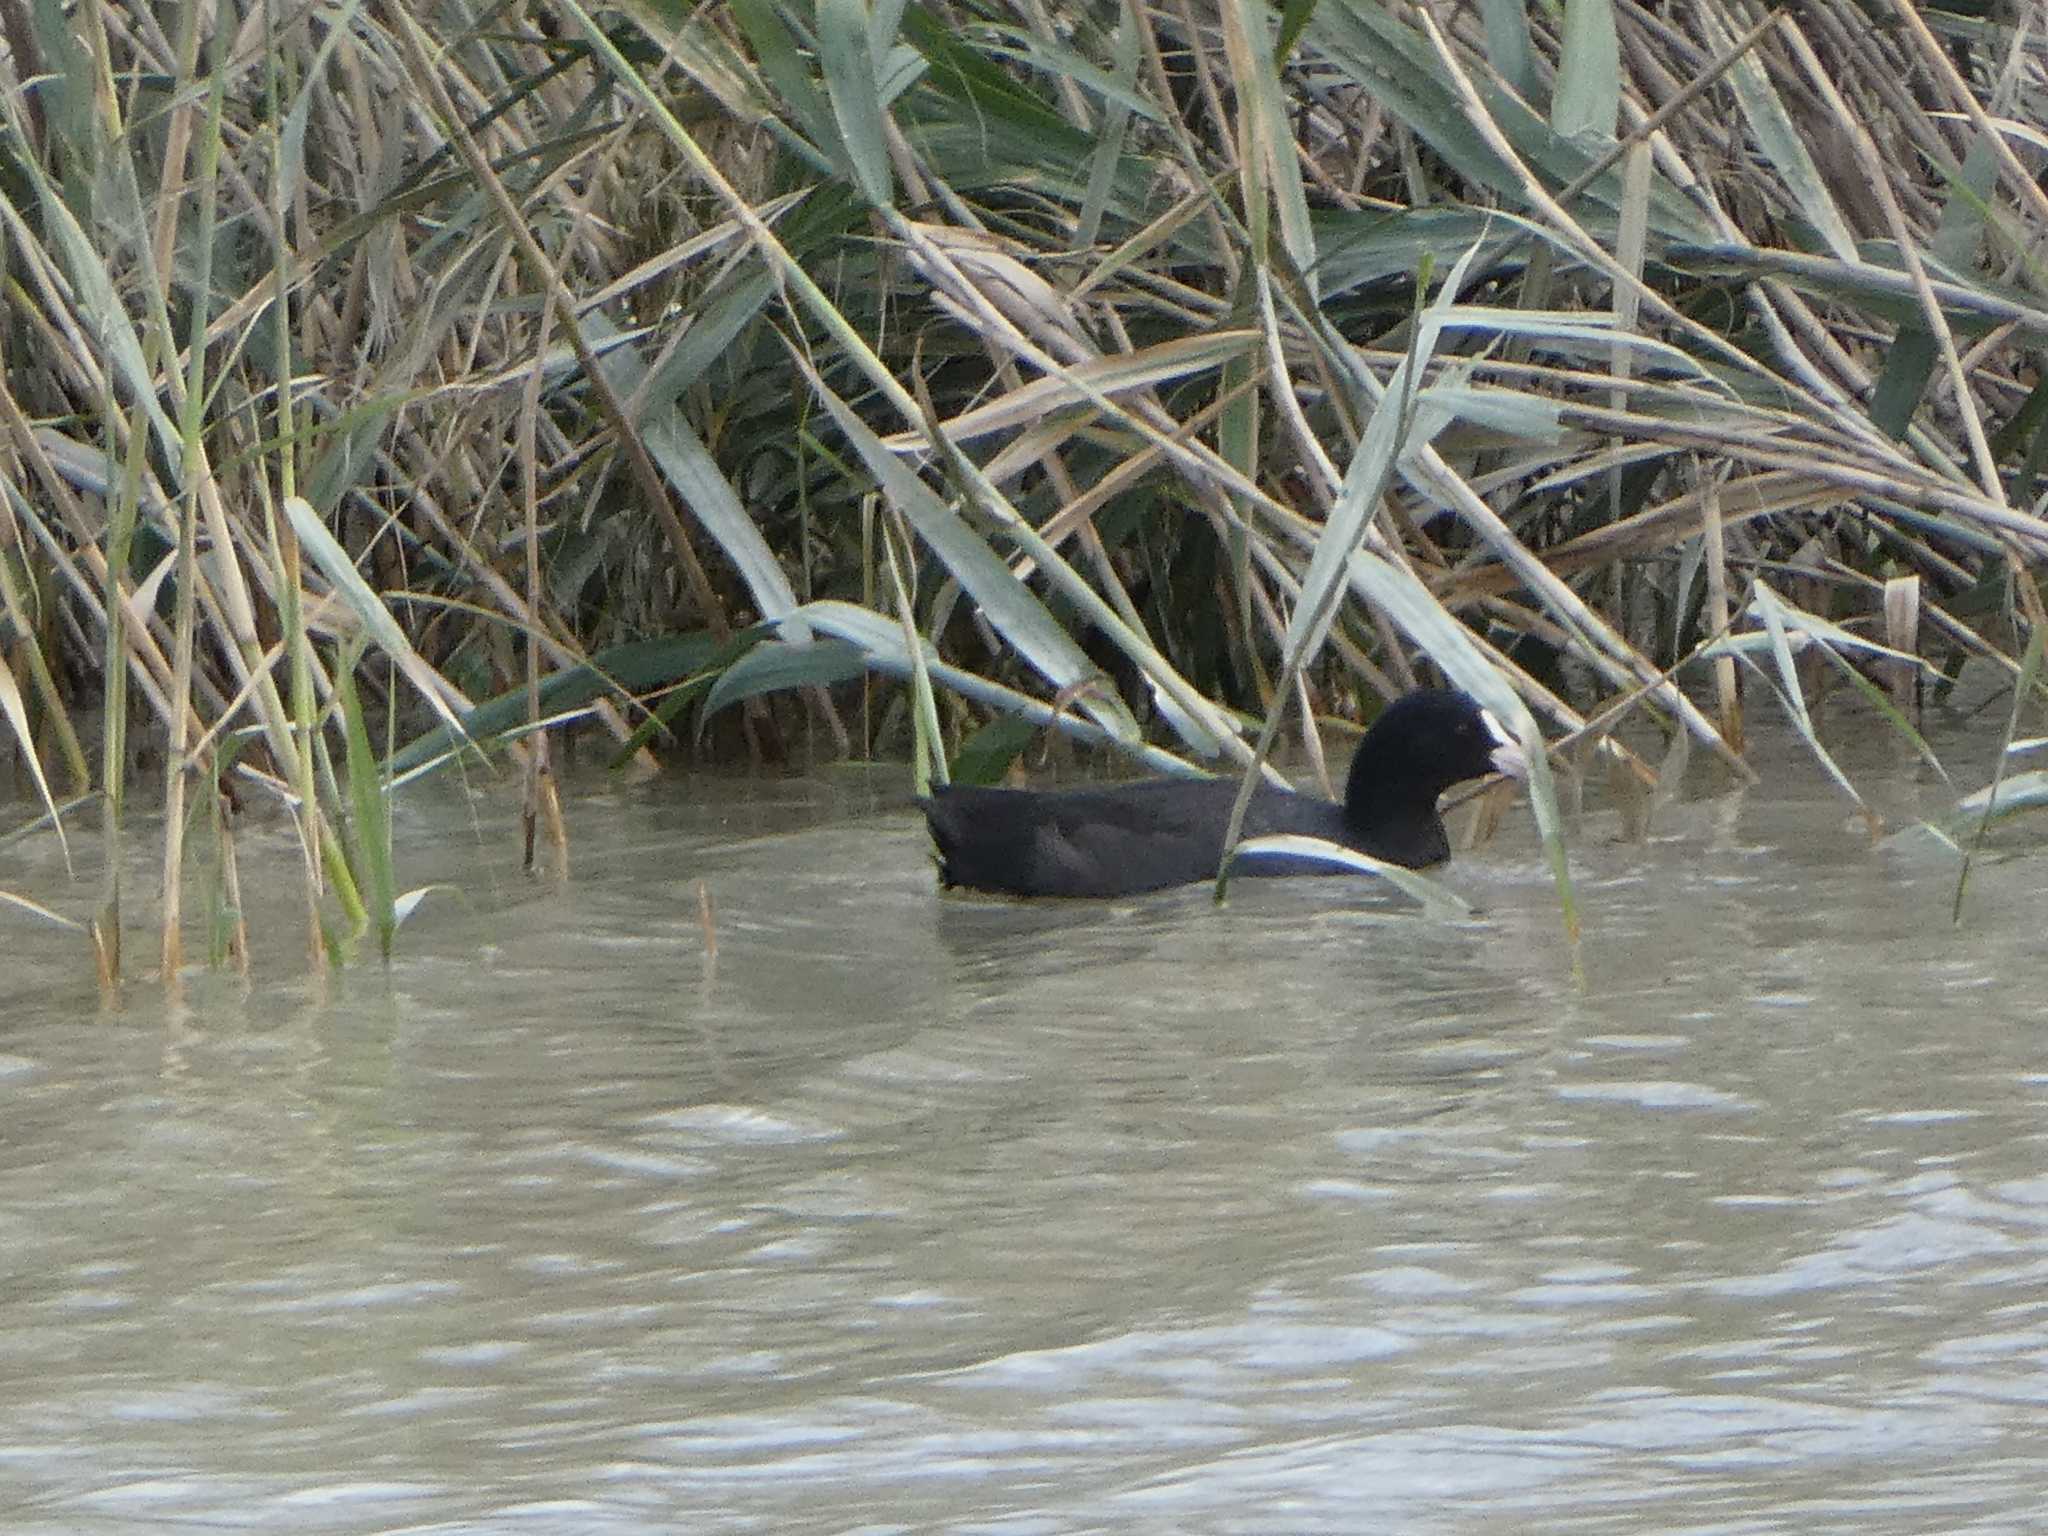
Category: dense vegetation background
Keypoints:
(1145, 372)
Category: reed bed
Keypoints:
(385, 386)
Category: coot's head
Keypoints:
(1428, 740)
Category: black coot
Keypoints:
(1126, 838)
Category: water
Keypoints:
(1309, 1214)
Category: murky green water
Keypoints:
(1308, 1214)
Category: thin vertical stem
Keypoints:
(543, 805)
(106, 922)
(177, 765)
(1714, 537)
(314, 838)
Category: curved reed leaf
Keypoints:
(1393, 429)
(1079, 383)
(407, 902)
(689, 467)
(967, 77)
(715, 324)
(1530, 418)
(1782, 143)
(1270, 169)
(97, 296)
(1779, 618)
(368, 608)
(640, 666)
(881, 641)
(1439, 900)
(1359, 248)
(1370, 47)
(2016, 792)
(1057, 62)
(1116, 116)
(1799, 628)
(774, 665)
(1010, 606)
(1577, 335)
(1883, 704)
(516, 732)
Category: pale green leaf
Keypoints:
(1588, 97)
(689, 467)
(1781, 142)
(1439, 899)
(846, 54)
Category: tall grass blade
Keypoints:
(847, 58)
(709, 495)
(227, 925)
(1270, 169)
(16, 604)
(370, 807)
(97, 294)
(2000, 795)
(368, 608)
(1507, 45)
(178, 767)
(1109, 138)
(928, 754)
(1778, 617)
(1588, 97)
(1781, 141)
(788, 70)
(1372, 466)
(106, 923)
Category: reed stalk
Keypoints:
(178, 765)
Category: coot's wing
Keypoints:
(1276, 811)
(1114, 841)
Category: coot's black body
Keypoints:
(1126, 838)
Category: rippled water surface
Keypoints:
(1304, 1214)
